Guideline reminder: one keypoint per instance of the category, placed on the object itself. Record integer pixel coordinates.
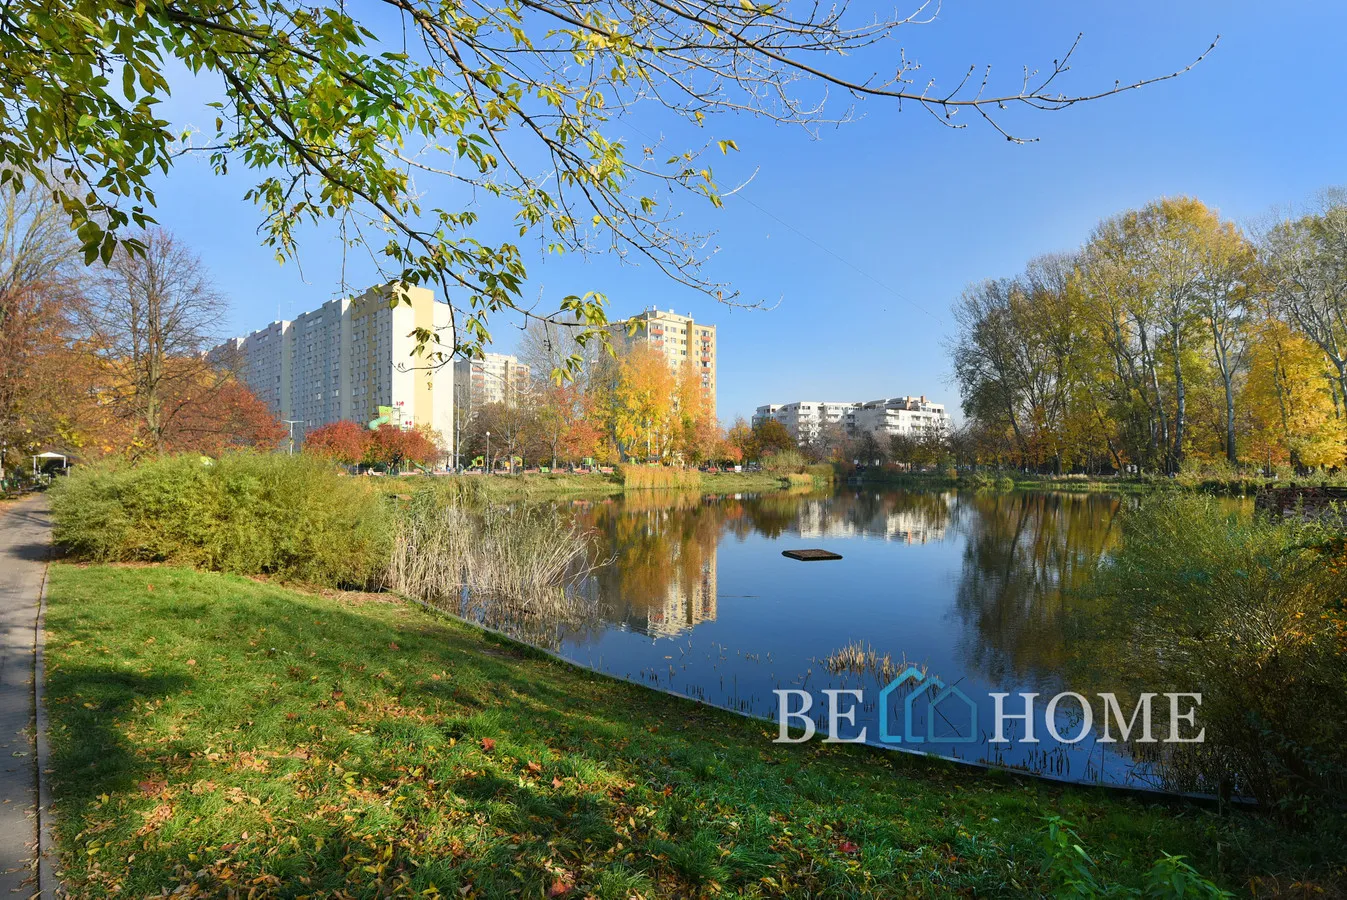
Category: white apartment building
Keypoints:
(807, 420)
(681, 340)
(911, 416)
(346, 359)
(495, 378)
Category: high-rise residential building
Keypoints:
(808, 420)
(346, 359)
(495, 378)
(681, 340)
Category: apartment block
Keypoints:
(911, 416)
(495, 378)
(681, 340)
(346, 359)
(807, 420)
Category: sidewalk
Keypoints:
(25, 542)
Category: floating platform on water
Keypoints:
(810, 555)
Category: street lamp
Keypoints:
(488, 453)
(292, 423)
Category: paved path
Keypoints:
(25, 540)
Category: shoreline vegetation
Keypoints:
(1238, 485)
(284, 741)
(501, 487)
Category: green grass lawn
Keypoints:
(220, 735)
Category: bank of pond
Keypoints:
(1084, 637)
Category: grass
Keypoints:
(639, 477)
(221, 735)
(499, 488)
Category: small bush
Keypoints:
(292, 516)
(783, 461)
(638, 477)
(821, 471)
(799, 479)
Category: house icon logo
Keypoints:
(930, 695)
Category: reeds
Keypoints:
(637, 477)
(521, 554)
(860, 658)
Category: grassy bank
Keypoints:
(216, 734)
(561, 485)
(1020, 481)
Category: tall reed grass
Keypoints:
(521, 554)
(640, 477)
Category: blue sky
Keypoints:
(862, 238)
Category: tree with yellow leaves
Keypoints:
(641, 406)
(1289, 400)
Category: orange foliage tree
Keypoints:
(342, 441)
(390, 446)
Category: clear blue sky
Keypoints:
(864, 237)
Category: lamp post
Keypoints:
(488, 453)
(292, 423)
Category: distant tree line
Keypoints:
(1173, 339)
(108, 359)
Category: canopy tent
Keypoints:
(48, 455)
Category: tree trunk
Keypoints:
(1180, 405)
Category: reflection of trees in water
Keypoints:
(662, 545)
(1026, 553)
(662, 575)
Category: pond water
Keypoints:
(974, 590)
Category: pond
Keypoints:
(973, 591)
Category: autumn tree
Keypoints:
(39, 290)
(150, 315)
(1305, 260)
(770, 436)
(342, 442)
(389, 446)
(1131, 351)
(698, 433)
(642, 404)
(740, 442)
(500, 430)
(214, 414)
(1289, 398)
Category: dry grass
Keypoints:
(517, 553)
(636, 477)
(859, 658)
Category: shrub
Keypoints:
(799, 479)
(821, 471)
(1251, 613)
(783, 461)
(292, 516)
(638, 477)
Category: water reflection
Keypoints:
(1024, 557)
(976, 588)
